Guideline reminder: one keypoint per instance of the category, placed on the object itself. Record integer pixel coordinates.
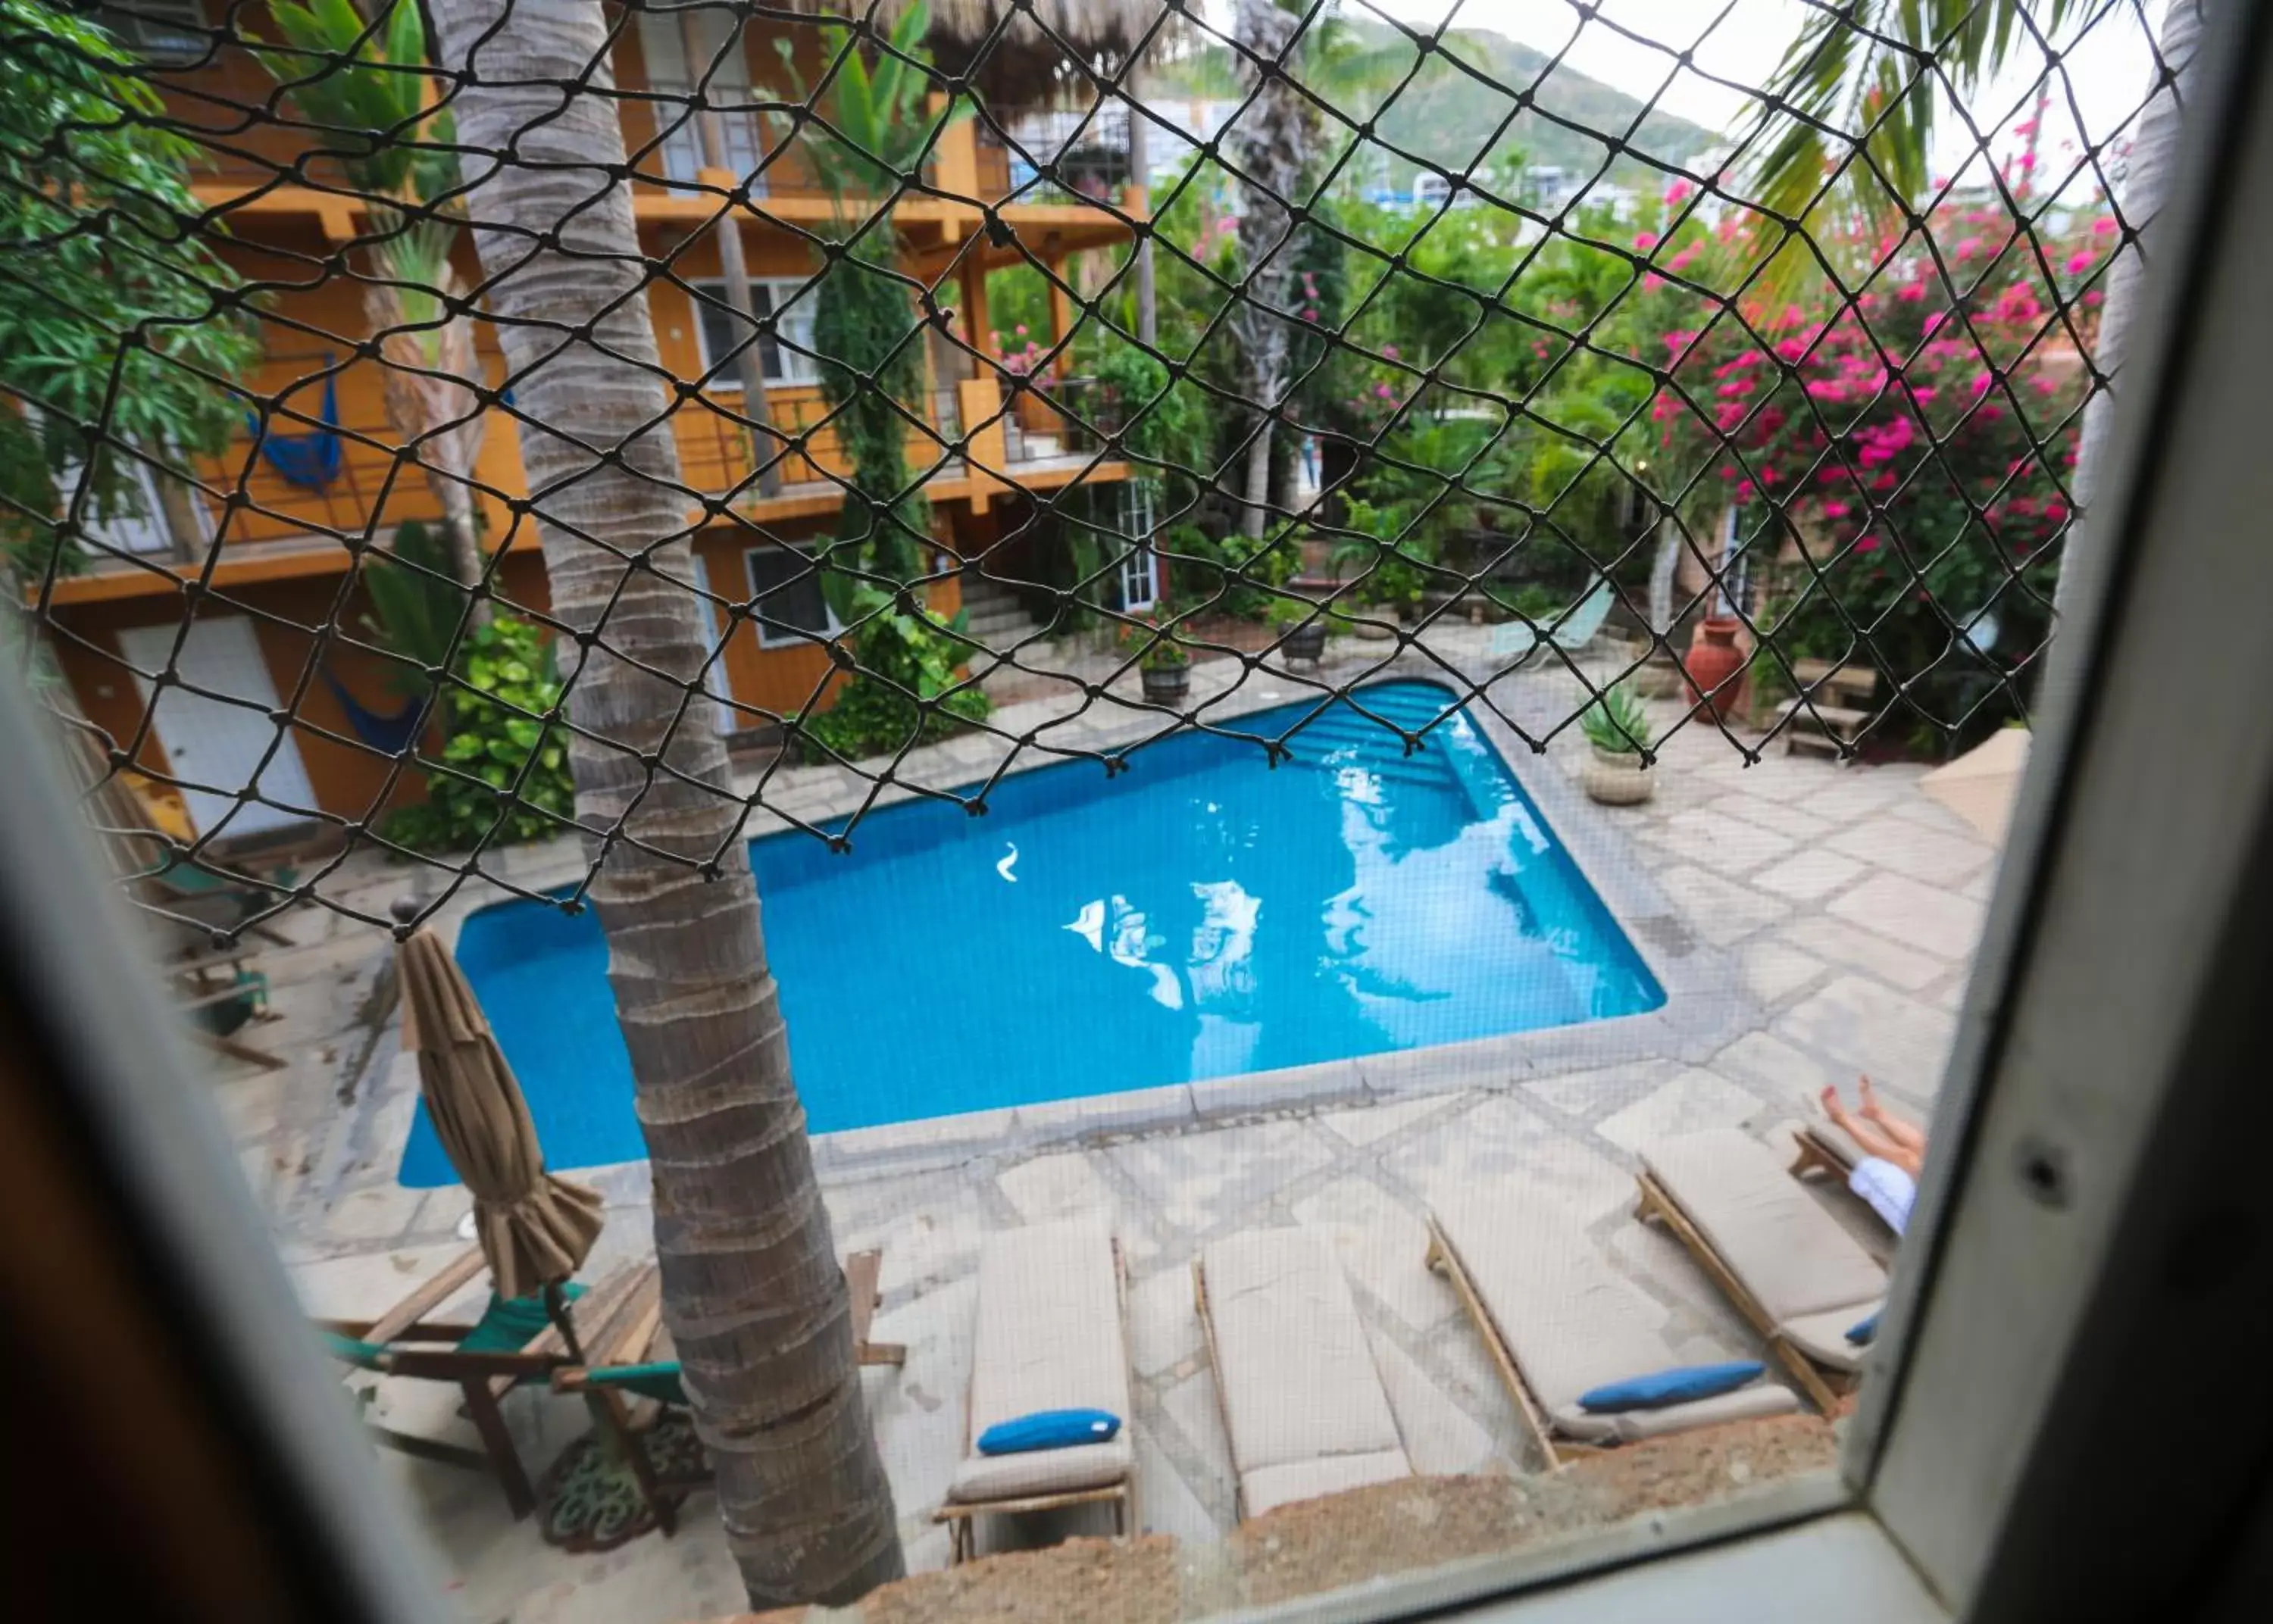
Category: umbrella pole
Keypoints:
(556, 1309)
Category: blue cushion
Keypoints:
(1049, 1429)
(1684, 1384)
(1862, 1331)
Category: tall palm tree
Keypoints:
(1270, 145)
(752, 1289)
(1858, 65)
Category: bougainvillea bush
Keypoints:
(1900, 459)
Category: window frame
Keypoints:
(2079, 1147)
(724, 376)
(792, 638)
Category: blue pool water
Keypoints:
(1197, 916)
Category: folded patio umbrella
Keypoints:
(534, 1229)
(1980, 784)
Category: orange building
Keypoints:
(266, 565)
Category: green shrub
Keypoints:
(903, 657)
(1236, 575)
(503, 764)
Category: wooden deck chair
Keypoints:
(1821, 1148)
(1302, 1403)
(1559, 1321)
(510, 1343)
(1789, 1265)
(627, 1355)
(1052, 1335)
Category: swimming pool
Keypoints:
(1198, 916)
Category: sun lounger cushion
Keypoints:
(1811, 1276)
(1571, 1321)
(1684, 1384)
(1050, 1429)
(1049, 1338)
(1302, 1399)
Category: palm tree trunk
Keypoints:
(752, 1289)
(2154, 151)
(1269, 142)
(733, 269)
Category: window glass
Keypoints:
(787, 587)
(785, 363)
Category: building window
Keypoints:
(787, 359)
(159, 30)
(723, 65)
(1140, 565)
(786, 588)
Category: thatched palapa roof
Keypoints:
(1019, 62)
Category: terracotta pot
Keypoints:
(1713, 659)
(1617, 777)
(1167, 684)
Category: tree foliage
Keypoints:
(111, 310)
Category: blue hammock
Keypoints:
(309, 461)
(390, 735)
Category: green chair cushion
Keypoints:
(512, 1322)
(347, 1349)
(659, 1382)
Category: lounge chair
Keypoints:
(1823, 1148)
(1786, 1263)
(1302, 1403)
(510, 1343)
(627, 1355)
(1559, 1322)
(1514, 642)
(1051, 1337)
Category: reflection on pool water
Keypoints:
(1200, 915)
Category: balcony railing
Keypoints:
(1054, 155)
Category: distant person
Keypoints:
(1893, 1150)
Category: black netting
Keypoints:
(909, 379)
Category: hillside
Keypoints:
(1447, 115)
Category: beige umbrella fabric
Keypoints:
(1980, 784)
(533, 1227)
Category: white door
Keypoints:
(212, 743)
(714, 681)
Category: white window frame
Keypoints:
(797, 368)
(2051, 1405)
(782, 639)
(662, 48)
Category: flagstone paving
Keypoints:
(1844, 902)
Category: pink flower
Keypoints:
(1743, 490)
(1791, 349)
(1835, 510)
(1646, 241)
(1389, 352)
(1022, 329)
(2104, 226)
(1309, 312)
(1683, 260)
(1966, 249)
(2018, 302)
(1869, 543)
(2027, 163)
(2092, 300)
(1935, 318)
(1678, 193)
(2046, 385)
(1980, 385)
(1382, 392)
(1736, 388)
(2023, 506)
(2055, 509)
(1911, 293)
(2026, 128)
(1825, 389)
(2081, 261)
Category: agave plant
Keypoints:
(1616, 720)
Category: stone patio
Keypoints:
(1811, 921)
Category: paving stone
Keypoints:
(1768, 813)
(1773, 971)
(1164, 1323)
(1854, 792)
(1834, 942)
(1898, 1041)
(1728, 844)
(1782, 1071)
(1440, 1438)
(1586, 1095)
(1200, 1181)
(1063, 1186)
(1383, 1247)
(1691, 1103)
(1191, 1404)
(1374, 1123)
(1718, 910)
(1501, 1140)
(1809, 874)
(1907, 847)
(1916, 915)
(1165, 1502)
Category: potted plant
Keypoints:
(1300, 627)
(1617, 727)
(1164, 664)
